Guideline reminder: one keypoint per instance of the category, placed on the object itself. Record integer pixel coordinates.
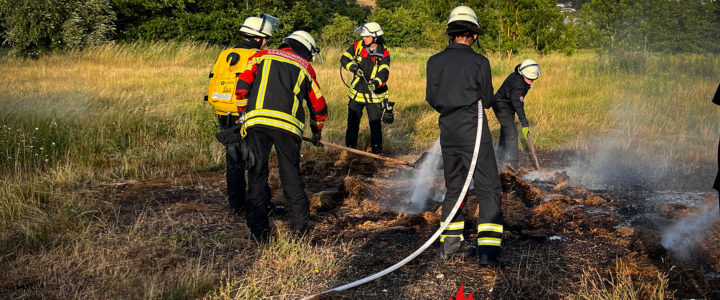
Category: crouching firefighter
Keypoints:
(510, 101)
(369, 61)
(255, 31)
(456, 78)
(276, 82)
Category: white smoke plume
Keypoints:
(424, 186)
(682, 237)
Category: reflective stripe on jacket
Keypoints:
(376, 68)
(276, 82)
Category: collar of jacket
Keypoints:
(248, 44)
(458, 46)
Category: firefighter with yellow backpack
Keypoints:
(369, 61)
(256, 32)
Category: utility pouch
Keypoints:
(387, 116)
(230, 135)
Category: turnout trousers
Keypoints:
(287, 147)
(456, 162)
(508, 143)
(355, 112)
(235, 169)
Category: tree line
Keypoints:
(34, 27)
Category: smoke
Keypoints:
(613, 161)
(682, 237)
(537, 176)
(626, 156)
(424, 187)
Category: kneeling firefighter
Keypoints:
(456, 78)
(369, 61)
(255, 32)
(275, 82)
(510, 101)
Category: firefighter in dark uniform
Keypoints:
(716, 185)
(256, 32)
(510, 101)
(457, 78)
(369, 61)
(276, 81)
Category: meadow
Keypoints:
(72, 123)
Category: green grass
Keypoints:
(70, 122)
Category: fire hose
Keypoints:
(437, 233)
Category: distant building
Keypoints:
(565, 7)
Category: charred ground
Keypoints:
(559, 240)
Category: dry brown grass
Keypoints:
(123, 112)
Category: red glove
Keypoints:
(241, 94)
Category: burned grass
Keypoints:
(174, 237)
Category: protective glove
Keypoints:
(247, 155)
(372, 85)
(316, 139)
(525, 131)
(387, 116)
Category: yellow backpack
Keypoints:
(221, 92)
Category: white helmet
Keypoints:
(529, 69)
(463, 13)
(260, 26)
(462, 19)
(370, 29)
(306, 40)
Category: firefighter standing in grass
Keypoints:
(716, 184)
(275, 82)
(256, 31)
(369, 61)
(457, 78)
(510, 101)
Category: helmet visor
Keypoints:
(316, 55)
(272, 20)
(359, 30)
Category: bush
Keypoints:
(35, 27)
(403, 27)
(339, 33)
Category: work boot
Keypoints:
(465, 250)
(237, 209)
(376, 149)
(489, 260)
(260, 238)
(299, 231)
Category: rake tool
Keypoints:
(532, 152)
(372, 155)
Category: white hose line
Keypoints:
(437, 233)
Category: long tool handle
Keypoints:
(532, 151)
(363, 153)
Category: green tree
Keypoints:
(339, 32)
(35, 27)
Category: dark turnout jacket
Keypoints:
(275, 82)
(511, 95)
(457, 78)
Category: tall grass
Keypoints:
(116, 112)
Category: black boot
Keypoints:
(465, 250)
(489, 260)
